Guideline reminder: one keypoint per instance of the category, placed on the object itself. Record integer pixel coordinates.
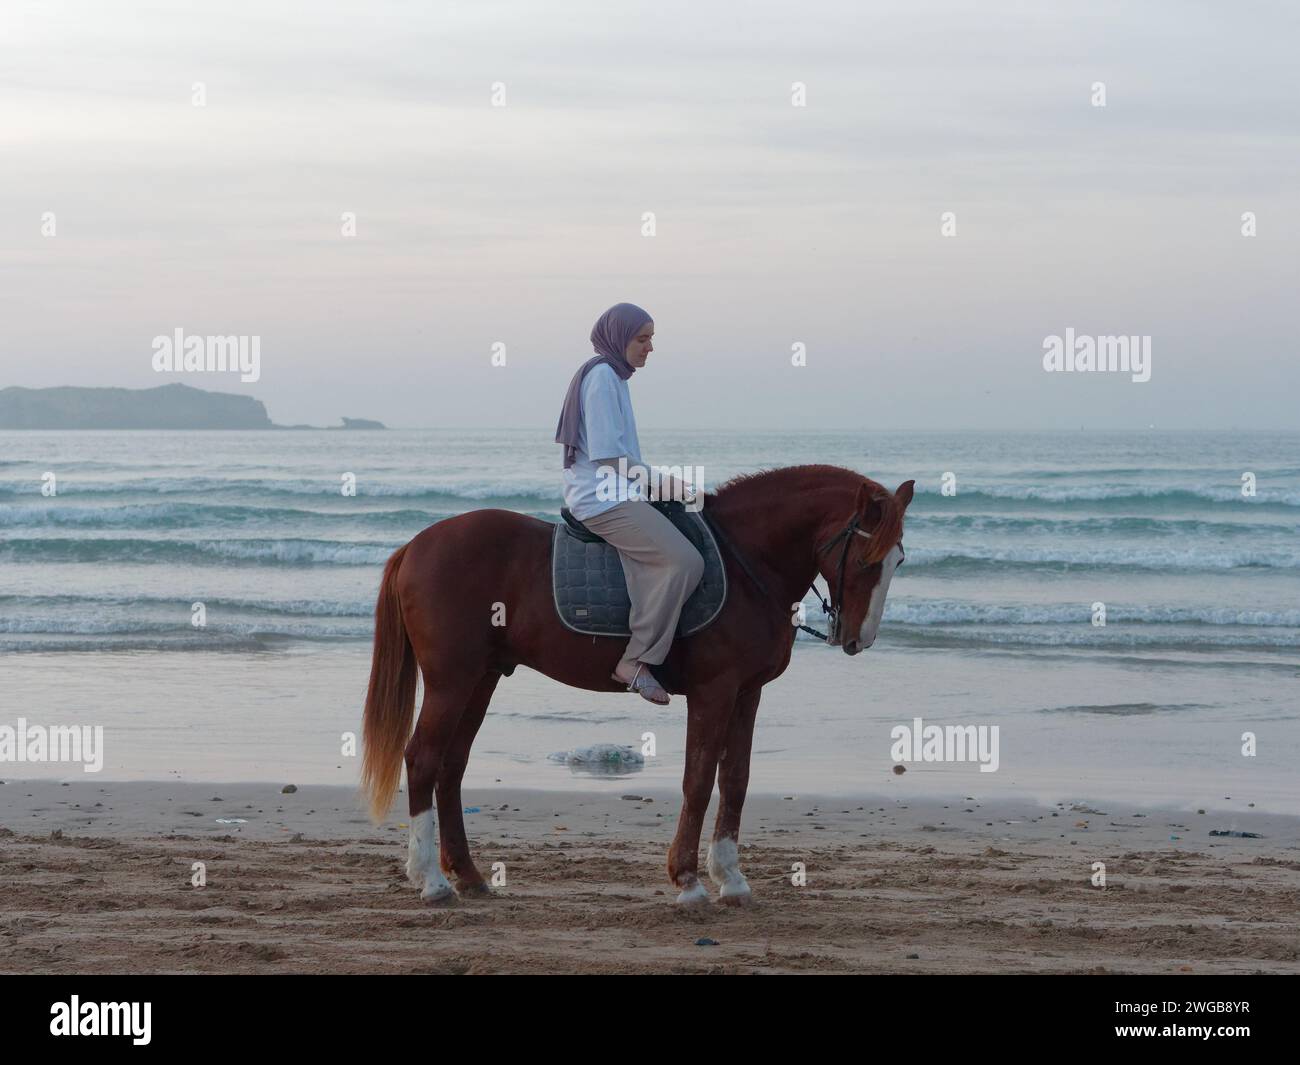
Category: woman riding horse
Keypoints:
(469, 599)
(597, 428)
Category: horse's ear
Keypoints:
(903, 493)
(869, 504)
(864, 497)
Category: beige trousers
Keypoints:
(662, 568)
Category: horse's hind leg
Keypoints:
(456, 860)
(435, 730)
(733, 781)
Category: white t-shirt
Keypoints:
(608, 430)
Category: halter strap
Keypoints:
(831, 609)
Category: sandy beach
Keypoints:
(97, 879)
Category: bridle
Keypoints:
(831, 610)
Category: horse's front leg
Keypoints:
(708, 713)
(733, 781)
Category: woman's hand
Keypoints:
(672, 487)
(663, 486)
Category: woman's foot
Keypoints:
(640, 679)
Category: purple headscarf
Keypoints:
(610, 337)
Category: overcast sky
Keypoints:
(775, 224)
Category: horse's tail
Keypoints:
(390, 701)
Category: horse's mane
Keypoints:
(789, 473)
(886, 533)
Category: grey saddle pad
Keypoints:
(591, 591)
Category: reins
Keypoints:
(829, 609)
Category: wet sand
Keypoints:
(97, 879)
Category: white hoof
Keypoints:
(422, 860)
(735, 892)
(693, 895)
(437, 889)
(724, 870)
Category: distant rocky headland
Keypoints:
(172, 406)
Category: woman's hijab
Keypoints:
(610, 337)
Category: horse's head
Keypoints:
(870, 563)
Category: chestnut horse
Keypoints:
(440, 607)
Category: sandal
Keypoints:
(646, 685)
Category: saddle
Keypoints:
(590, 589)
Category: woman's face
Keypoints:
(640, 346)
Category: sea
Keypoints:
(1124, 607)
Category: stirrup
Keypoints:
(648, 681)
